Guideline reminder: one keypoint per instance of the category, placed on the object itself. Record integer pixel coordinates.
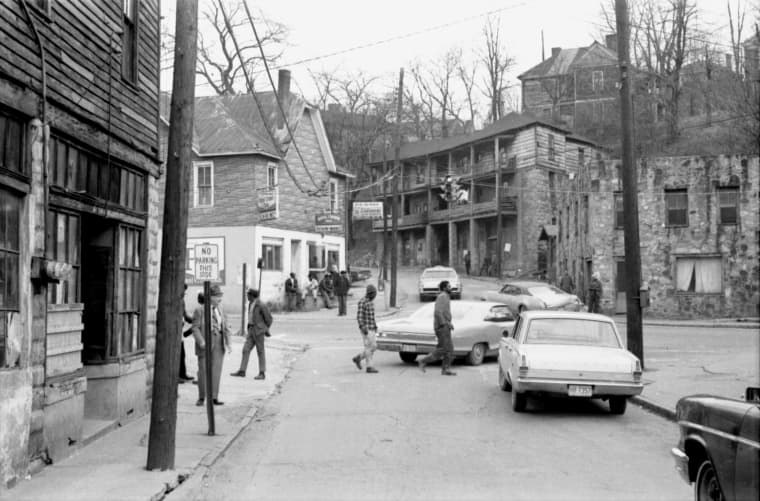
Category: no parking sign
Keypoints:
(207, 262)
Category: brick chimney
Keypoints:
(611, 41)
(283, 94)
(555, 51)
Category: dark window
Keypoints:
(581, 156)
(677, 207)
(619, 211)
(11, 144)
(551, 148)
(10, 229)
(126, 333)
(559, 230)
(728, 202)
(585, 214)
(129, 41)
(272, 257)
(63, 237)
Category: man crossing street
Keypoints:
(442, 325)
(259, 321)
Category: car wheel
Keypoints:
(618, 405)
(409, 358)
(477, 354)
(504, 383)
(519, 401)
(706, 486)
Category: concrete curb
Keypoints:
(654, 408)
(685, 324)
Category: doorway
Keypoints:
(97, 287)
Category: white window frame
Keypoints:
(196, 190)
(273, 178)
(334, 198)
(597, 80)
(275, 244)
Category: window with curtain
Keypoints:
(63, 245)
(728, 203)
(677, 207)
(699, 275)
(619, 210)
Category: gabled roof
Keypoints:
(566, 60)
(511, 123)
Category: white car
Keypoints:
(431, 279)
(523, 295)
(567, 353)
(478, 327)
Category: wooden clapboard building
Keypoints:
(79, 85)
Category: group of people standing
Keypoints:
(594, 295)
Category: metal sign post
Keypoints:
(209, 356)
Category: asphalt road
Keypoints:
(335, 433)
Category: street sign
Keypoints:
(207, 262)
(367, 210)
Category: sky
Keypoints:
(379, 38)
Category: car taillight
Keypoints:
(523, 369)
(637, 372)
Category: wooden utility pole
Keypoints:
(163, 417)
(630, 190)
(395, 180)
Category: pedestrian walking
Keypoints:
(467, 261)
(444, 349)
(342, 285)
(365, 316)
(594, 293)
(220, 342)
(187, 330)
(566, 283)
(259, 322)
(291, 291)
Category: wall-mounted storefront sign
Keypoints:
(367, 210)
(327, 222)
(267, 203)
(205, 260)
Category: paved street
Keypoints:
(336, 433)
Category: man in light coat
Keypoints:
(220, 342)
(259, 321)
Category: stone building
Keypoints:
(698, 227)
(505, 214)
(78, 234)
(263, 187)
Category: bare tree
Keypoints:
(736, 26)
(468, 77)
(497, 62)
(218, 63)
(435, 85)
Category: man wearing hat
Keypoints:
(220, 342)
(259, 321)
(365, 316)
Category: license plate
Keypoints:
(409, 348)
(575, 390)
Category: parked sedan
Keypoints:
(432, 277)
(478, 327)
(567, 353)
(719, 447)
(523, 295)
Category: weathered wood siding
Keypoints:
(83, 73)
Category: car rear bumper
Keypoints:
(560, 387)
(416, 347)
(682, 463)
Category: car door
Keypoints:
(746, 484)
(508, 296)
(510, 348)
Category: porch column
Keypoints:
(428, 244)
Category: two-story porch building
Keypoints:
(508, 170)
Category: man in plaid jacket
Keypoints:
(365, 316)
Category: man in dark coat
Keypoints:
(566, 283)
(594, 293)
(342, 285)
(259, 321)
(220, 342)
(291, 291)
(442, 325)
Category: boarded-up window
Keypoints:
(619, 211)
(677, 207)
(700, 275)
(728, 202)
(63, 245)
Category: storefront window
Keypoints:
(10, 210)
(272, 257)
(127, 337)
(316, 256)
(63, 245)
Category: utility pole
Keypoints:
(630, 190)
(395, 179)
(163, 415)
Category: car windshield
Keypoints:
(546, 292)
(572, 331)
(438, 274)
